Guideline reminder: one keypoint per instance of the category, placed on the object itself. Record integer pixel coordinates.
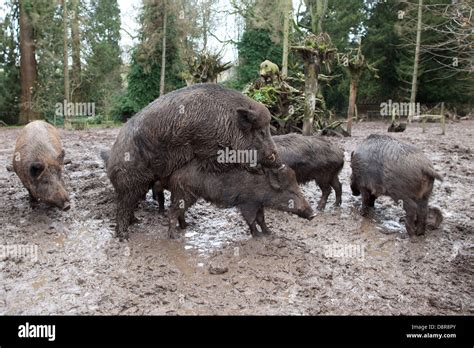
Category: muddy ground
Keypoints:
(217, 268)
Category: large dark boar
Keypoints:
(382, 165)
(191, 123)
(277, 189)
(38, 161)
(313, 158)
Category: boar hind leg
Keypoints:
(181, 221)
(326, 190)
(159, 196)
(421, 215)
(336, 185)
(161, 201)
(261, 221)
(410, 208)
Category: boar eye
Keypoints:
(36, 169)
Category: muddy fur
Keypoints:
(277, 188)
(38, 161)
(313, 158)
(382, 165)
(191, 123)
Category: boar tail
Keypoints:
(432, 173)
(105, 156)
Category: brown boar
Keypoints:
(38, 162)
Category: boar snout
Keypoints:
(307, 213)
(60, 199)
(64, 204)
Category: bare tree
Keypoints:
(414, 83)
(28, 73)
(65, 60)
(76, 48)
(163, 52)
(287, 10)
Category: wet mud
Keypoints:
(338, 263)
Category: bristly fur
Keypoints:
(382, 165)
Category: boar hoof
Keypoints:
(134, 220)
(266, 231)
(365, 211)
(173, 234)
(257, 234)
(123, 237)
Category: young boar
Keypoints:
(277, 189)
(190, 123)
(313, 158)
(38, 162)
(382, 165)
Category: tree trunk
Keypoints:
(28, 72)
(65, 64)
(318, 10)
(287, 9)
(76, 50)
(352, 103)
(414, 83)
(310, 93)
(163, 53)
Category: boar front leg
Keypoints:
(250, 215)
(421, 215)
(368, 201)
(179, 205)
(410, 208)
(173, 214)
(126, 203)
(261, 221)
(33, 199)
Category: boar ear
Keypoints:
(36, 168)
(258, 169)
(274, 179)
(246, 118)
(61, 156)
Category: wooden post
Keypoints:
(443, 120)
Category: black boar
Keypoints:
(277, 189)
(382, 165)
(191, 123)
(313, 158)
(38, 161)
